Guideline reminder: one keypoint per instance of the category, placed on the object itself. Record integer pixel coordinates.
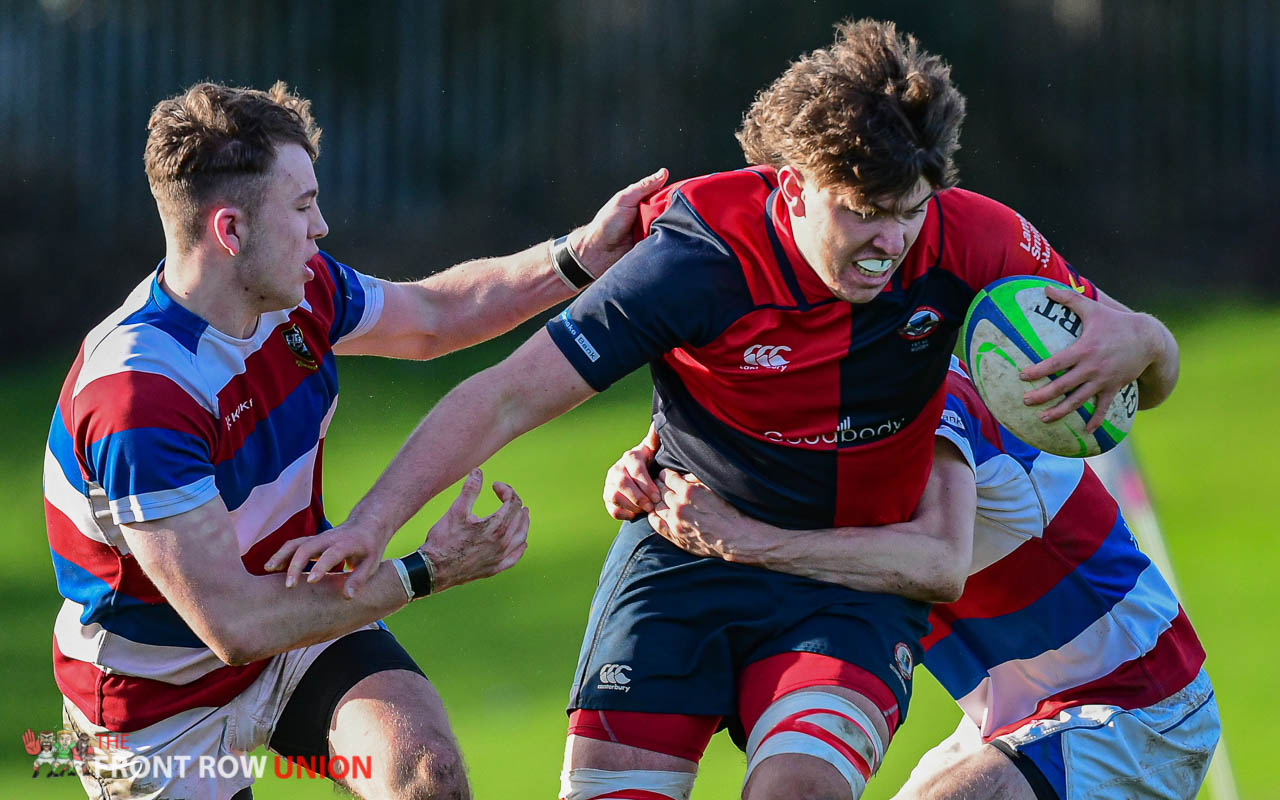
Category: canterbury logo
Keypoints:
(765, 355)
(614, 676)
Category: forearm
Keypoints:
(510, 289)
(1156, 382)
(464, 429)
(285, 619)
(472, 422)
(905, 559)
(924, 558)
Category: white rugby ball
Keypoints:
(1013, 324)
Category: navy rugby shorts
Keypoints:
(670, 632)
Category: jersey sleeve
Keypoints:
(356, 298)
(959, 427)
(679, 286)
(987, 241)
(147, 443)
(962, 417)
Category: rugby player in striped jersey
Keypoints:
(1076, 667)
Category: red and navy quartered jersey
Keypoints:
(799, 408)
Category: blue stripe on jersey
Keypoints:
(962, 659)
(288, 432)
(983, 449)
(348, 298)
(63, 448)
(1048, 758)
(142, 460)
(1024, 453)
(119, 613)
(162, 313)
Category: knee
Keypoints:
(787, 776)
(430, 772)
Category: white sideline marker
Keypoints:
(1120, 473)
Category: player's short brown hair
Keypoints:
(870, 114)
(213, 144)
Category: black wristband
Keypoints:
(422, 575)
(566, 264)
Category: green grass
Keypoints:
(502, 651)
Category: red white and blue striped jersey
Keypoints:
(798, 408)
(1061, 608)
(160, 414)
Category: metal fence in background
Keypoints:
(1143, 136)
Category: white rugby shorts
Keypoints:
(1103, 752)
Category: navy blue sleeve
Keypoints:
(357, 300)
(681, 285)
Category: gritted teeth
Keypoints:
(875, 266)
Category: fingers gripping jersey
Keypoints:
(1061, 607)
(160, 414)
(799, 408)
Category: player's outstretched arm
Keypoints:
(194, 560)
(477, 418)
(1116, 346)
(481, 299)
(926, 558)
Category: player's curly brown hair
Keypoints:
(213, 144)
(870, 114)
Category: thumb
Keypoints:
(633, 194)
(470, 492)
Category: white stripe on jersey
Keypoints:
(164, 502)
(91, 519)
(116, 655)
(142, 348)
(373, 298)
(1055, 479)
(1128, 631)
(1006, 517)
(270, 505)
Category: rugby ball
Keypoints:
(1013, 324)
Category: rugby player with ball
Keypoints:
(797, 317)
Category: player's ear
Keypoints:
(228, 225)
(791, 187)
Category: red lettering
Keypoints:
(357, 762)
(338, 768)
(308, 764)
(288, 765)
(109, 741)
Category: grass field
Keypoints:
(502, 651)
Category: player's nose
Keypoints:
(319, 228)
(891, 236)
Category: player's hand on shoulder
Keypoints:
(608, 236)
(1109, 354)
(629, 490)
(464, 547)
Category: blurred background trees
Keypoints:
(1141, 136)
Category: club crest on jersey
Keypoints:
(903, 662)
(922, 322)
(302, 354)
(767, 356)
